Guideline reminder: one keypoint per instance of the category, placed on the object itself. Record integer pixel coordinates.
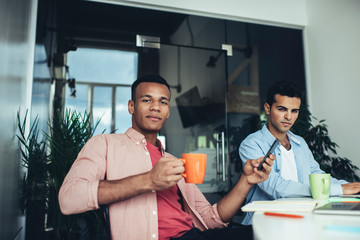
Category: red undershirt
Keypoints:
(172, 220)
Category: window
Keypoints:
(103, 86)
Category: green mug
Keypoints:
(320, 186)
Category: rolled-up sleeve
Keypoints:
(204, 215)
(79, 190)
(208, 212)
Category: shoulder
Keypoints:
(252, 138)
(106, 139)
(253, 146)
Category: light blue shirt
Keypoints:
(257, 144)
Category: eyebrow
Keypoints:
(149, 96)
(280, 106)
(165, 98)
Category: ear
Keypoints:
(131, 107)
(267, 108)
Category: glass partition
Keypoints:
(197, 122)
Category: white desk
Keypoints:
(312, 226)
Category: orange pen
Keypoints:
(283, 215)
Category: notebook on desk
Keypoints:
(339, 208)
(279, 206)
(350, 196)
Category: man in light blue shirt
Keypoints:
(294, 160)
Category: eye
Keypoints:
(145, 100)
(164, 102)
(295, 111)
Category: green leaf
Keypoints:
(67, 135)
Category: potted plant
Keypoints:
(49, 159)
(35, 188)
(323, 148)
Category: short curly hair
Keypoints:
(284, 88)
(148, 78)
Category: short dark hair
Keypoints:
(284, 88)
(148, 78)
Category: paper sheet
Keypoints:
(281, 206)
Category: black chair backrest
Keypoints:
(105, 211)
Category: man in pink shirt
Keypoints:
(146, 193)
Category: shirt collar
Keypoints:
(293, 137)
(270, 138)
(138, 138)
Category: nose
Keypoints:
(288, 115)
(155, 106)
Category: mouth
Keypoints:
(286, 124)
(153, 118)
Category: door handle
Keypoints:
(218, 141)
(220, 157)
(223, 156)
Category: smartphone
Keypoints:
(271, 150)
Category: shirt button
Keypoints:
(154, 212)
(137, 143)
(147, 153)
(154, 235)
(152, 190)
(143, 140)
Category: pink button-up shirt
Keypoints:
(120, 156)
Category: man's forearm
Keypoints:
(111, 191)
(229, 205)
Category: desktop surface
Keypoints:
(311, 226)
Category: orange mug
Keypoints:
(195, 167)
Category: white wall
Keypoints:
(275, 12)
(17, 42)
(332, 50)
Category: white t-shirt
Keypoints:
(288, 164)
